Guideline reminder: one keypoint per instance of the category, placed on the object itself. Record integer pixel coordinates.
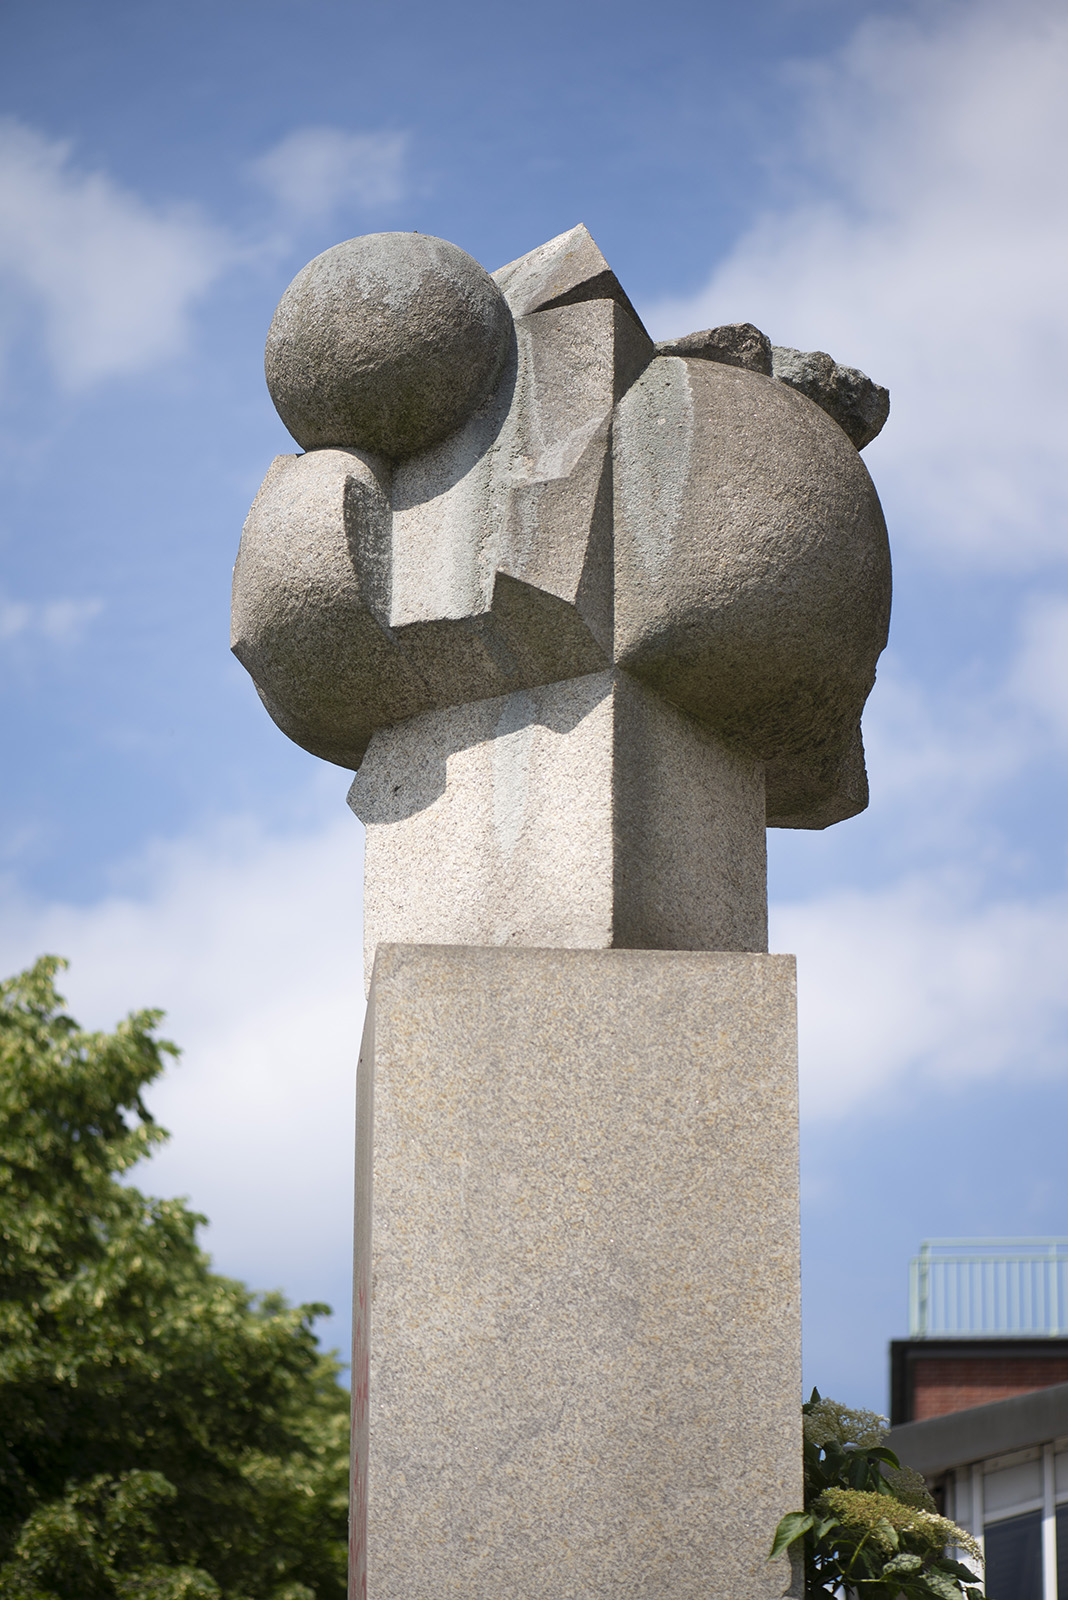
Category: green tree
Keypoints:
(164, 1433)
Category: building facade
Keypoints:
(979, 1402)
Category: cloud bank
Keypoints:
(930, 247)
(918, 981)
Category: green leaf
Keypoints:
(956, 1569)
(792, 1527)
(940, 1585)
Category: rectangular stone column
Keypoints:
(590, 813)
(577, 1349)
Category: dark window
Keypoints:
(1014, 1558)
(1062, 1551)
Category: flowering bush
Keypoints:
(869, 1526)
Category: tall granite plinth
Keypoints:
(576, 1360)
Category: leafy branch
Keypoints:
(869, 1526)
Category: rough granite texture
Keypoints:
(752, 568)
(577, 1249)
(584, 814)
(859, 406)
(386, 343)
(563, 271)
(735, 344)
(333, 660)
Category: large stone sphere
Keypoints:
(386, 343)
(752, 565)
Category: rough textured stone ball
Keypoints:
(386, 343)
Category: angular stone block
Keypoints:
(586, 813)
(524, 489)
(577, 1351)
(564, 271)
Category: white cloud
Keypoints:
(55, 621)
(313, 172)
(931, 248)
(941, 746)
(252, 946)
(1039, 678)
(115, 277)
(944, 976)
(945, 753)
(919, 982)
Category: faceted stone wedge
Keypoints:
(524, 487)
(561, 272)
(527, 638)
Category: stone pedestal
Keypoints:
(577, 1349)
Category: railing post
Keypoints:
(922, 1290)
(1054, 1296)
(914, 1309)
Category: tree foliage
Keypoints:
(164, 1433)
(869, 1527)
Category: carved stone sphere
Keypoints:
(386, 343)
(751, 564)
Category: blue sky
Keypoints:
(881, 180)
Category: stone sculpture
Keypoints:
(528, 554)
(584, 614)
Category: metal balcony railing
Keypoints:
(989, 1288)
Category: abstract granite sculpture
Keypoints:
(584, 614)
(530, 555)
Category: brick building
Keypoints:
(979, 1402)
(932, 1377)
